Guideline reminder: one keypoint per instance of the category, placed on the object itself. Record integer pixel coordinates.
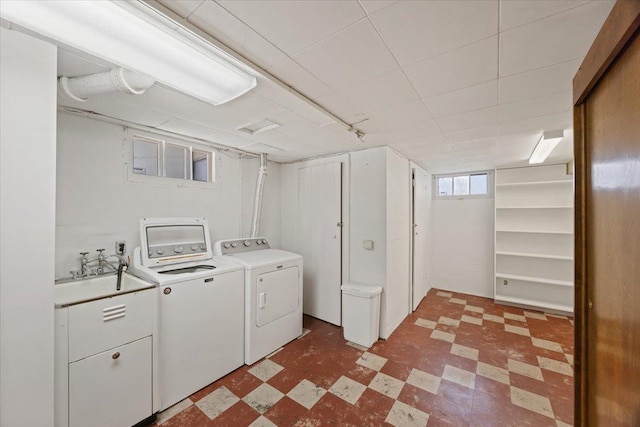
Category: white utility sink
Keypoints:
(78, 291)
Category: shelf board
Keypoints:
(533, 303)
(532, 255)
(534, 231)
(535, 279)
(534, 207)
(516, 184)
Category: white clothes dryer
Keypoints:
(273, 294)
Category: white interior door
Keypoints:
(320, 224)
(419, 237)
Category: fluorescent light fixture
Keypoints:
(135, 36)
(259, 127)
(548, 141)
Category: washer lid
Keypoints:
(265, 257)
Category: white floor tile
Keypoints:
(426, 323)
(217, 402)
(517, 330)
(474, 308)
(444, 294)
(535, 315)
(517, 317)
(493, 318)
(531, 401)
(262, 421)
(525, 369)
(403, 415)
(449, 321)
(347, 389)
(493, 372)
(547, 345)
(263, 398)
(555, 366)
(471, 319)
(386, 385)
(443, 336)
(371, 361)
(468, 352)
(358, 346)
(459, 376)
(306, 393)
(424, 381)
(265, 370)
(458, 301)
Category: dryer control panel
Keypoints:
(235, 246)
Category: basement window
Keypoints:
(462, 185)
(170, 161)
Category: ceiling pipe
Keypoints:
(116, 80)
(257, 202)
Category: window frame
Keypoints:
(213, 163)
(488, 195)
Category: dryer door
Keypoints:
(277, 296)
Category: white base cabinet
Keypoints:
(104, 361)
(112, 388)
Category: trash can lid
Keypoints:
(367, 291)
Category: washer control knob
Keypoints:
(259, 241)
(247, 243)
(178, 249)
(227, 245)
(194, 248)
(203, 246)
(160, 251)
(264, 241)
(234, 244)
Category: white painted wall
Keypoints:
(462, 246)
(27, 225)
(97, 204)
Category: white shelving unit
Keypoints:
(534, 238)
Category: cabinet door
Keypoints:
(111, 389)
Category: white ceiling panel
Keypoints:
(217, 21)
(534, 127)
(464, 100)
(72, 65)
(353, 55)
(295, 25)
(472, 119)
(474, 134)
(183, 8)
(341, 107)
(516, 13)
(481, 144)
(422, 151)
(548, 104)
(210, 116)
(552, 40)
(539, 82)
(251, 106)
(380, 92)
(412, 131)
(417, 30)
(303, 81)
(372, 6)
(422, 142)
(464, 67)
(400, 115)
(160, 99)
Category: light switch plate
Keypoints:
(367, 244)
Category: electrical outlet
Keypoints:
(505, 282)
(121, 247)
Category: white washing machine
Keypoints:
(200, 306)
(273, 294)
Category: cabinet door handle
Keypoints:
(115, 355)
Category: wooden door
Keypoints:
(607, 152)
(320, 240)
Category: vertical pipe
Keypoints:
(257, 202)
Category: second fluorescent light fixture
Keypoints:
(548, 141)
(135, 36)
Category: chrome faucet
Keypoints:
(103, 262)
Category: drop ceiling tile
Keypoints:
(544, 105)
(222, 25)
(353, 55)
(421, 152)
(558, 38)
(417, 30)
(262, 148)
(413, 131)
(534, 127)
(293, 26)
(463, 100)
(472, 119)
(372, 6)
(92, 103)
(295, 75)
(251, 106)
(132, 113)
(341, 107)
(183, 127)
(542, 81)
(457, 69)
(479, 144)
(516, 13)
(423, 142)
(161, 99)
(479, 166)
(400, 115)
(211, 116)
(380, 92)
(183, 8)
(478, 155)
(481, 132)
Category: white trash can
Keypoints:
(361, 313)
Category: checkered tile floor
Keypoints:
(459, 360)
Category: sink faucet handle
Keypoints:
(84, 254)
